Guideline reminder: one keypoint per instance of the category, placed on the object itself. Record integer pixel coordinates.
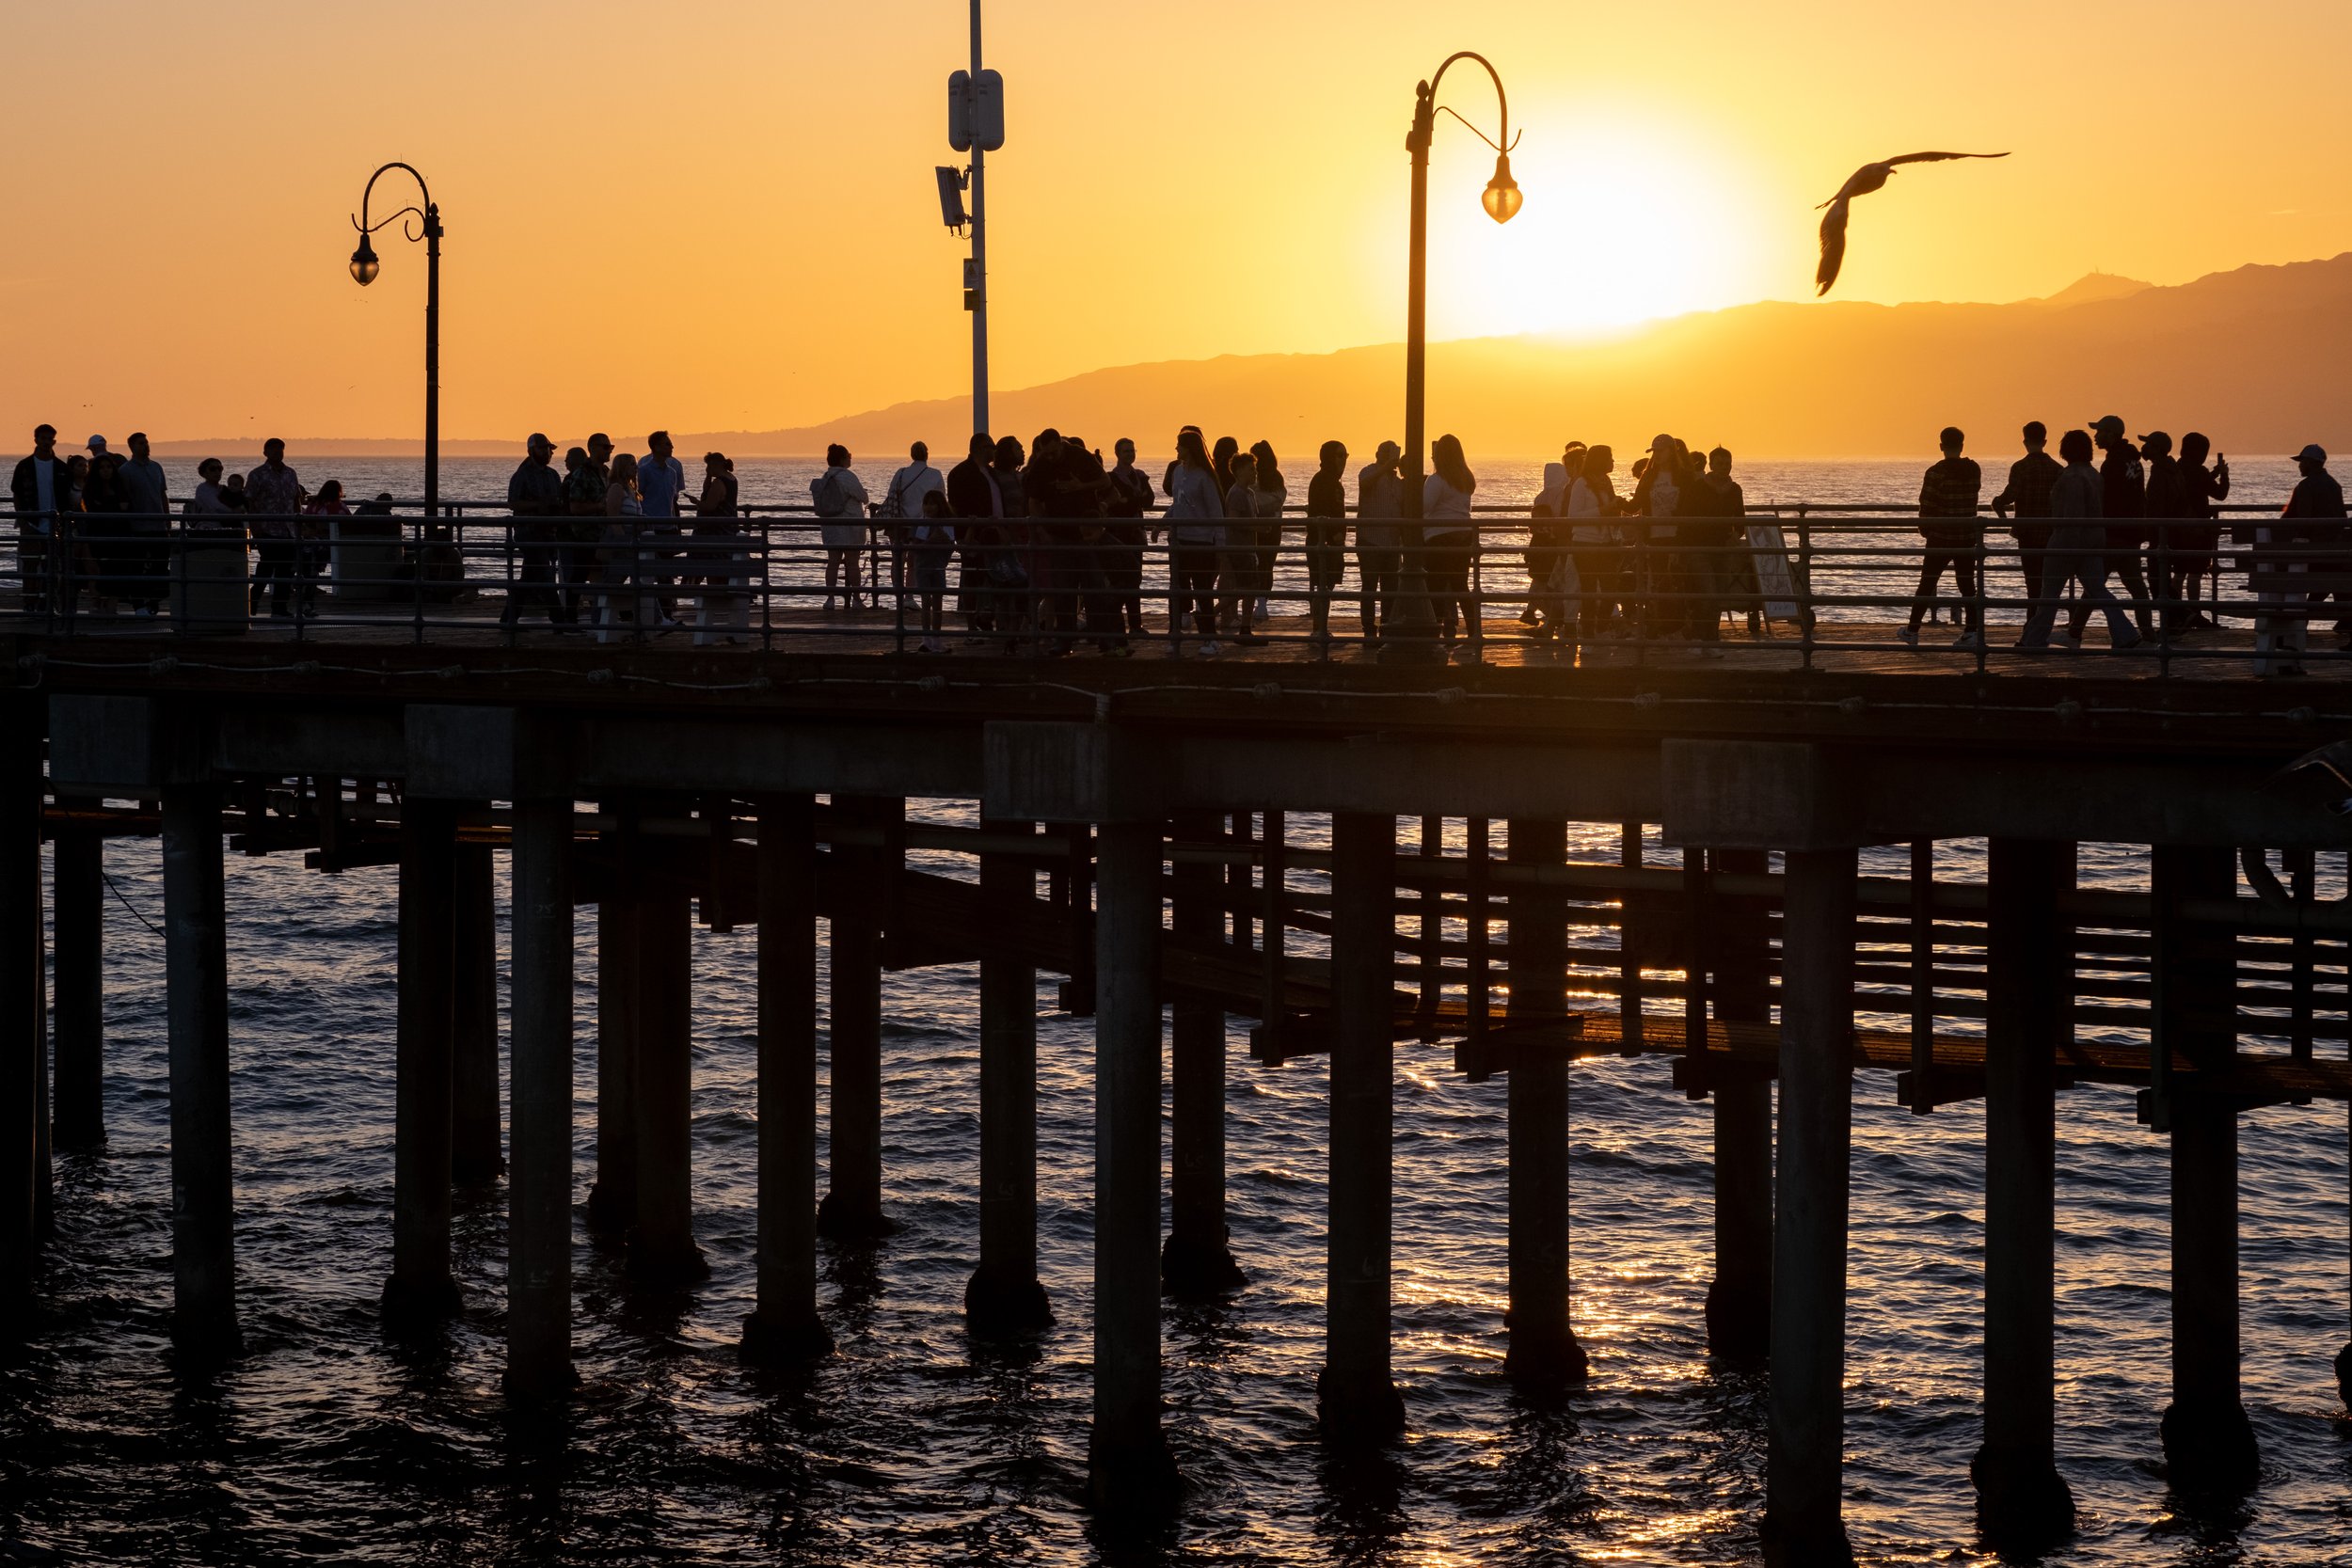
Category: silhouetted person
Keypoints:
(273, 500)
(2123, 491)
(1593, 543)
(535, 496)
(1011, 587)
(1327, 537)
(2312, 520)
(1548, 566)
(903, 503)
(1124, 510)
(2026, 501)
(1196, 533)
(661, 491)
(35, 489)
(1274, 494)
(1948, 523)
(839, 499)
(979, 511)
(2078, 539)
(2164, 503)
(1380, 502)
(1449, 540)
(2198, 539)
(146, 507)
(1726, 570)
(931, 540)
(1237, 560)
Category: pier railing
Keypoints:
(1785, 584)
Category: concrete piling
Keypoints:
(1130, 1471)
(1544, 1349)
(1004, 1296)
(77, 1115)
(477, 1157)
(1198, 1261)
(784, 1326)
(851, 1210)
(421, 1289)
(1357, 1399)
(661, 1248)
(539, 1187)
(196, 965)
(2023, 1504)
(1804, 1522)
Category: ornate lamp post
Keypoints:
(364, 267)
(1501, 200)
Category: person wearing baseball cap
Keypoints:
(2124, 494)
(535, 496)
(2318, 504)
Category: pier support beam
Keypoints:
(2208, 1443)
(612, 1198)
(77, 1115)
(1357, 1399)
(421, 1289)
(195, 968)
(1004, 1296)
(539, 1190)
(783, 1327)
(852, 1209)
(476, 1157)
(2023, 1504)
(2344, 1356)
(1544, 1348)
(1130, 1471)
(1739, 1298)
(22, 1041)
(661, 1248)
(1804, 1522)
(1198, 1261)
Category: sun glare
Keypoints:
(1624, 220)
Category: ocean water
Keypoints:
(327, 1443)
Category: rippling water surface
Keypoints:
(328, 1444)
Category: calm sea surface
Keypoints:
(326, 1444)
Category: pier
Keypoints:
(1182, 841)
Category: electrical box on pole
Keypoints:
(976, 111)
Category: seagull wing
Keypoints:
(1832, 244)
(1939, 157)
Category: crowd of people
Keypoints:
(1043, 545)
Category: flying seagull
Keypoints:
(1869, 178)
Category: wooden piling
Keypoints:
(1130, 1472)
(1544, 1349)
(784, 1326)
(661, 1248)
(77, 1117)
(1357, 1399)
(539, 1190)
(476, 1156)
(612, 1198)
(1739, 1298)
(2023, 1504)
(1803, 1523)
(22, 1031)
(1198, 1261)
(851, 1210)
(196, 967)
(1003, 1297)
(422, 1290)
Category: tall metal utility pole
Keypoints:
(977, 287)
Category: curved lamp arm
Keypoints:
(1501, 199)
(363, 260)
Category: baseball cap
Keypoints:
(96, 443)
(1390, 450)
(539, 440)
(2312, 453)
(2111, 425)
(2161, 441)
(1661, 444)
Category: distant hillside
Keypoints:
(2256, 358)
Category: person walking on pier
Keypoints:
(1448, 541)
(2200, 538)
(2123, 493)
(535, 497)
(1130, 498)
(1380, 502)
(1196, 529)
(2078, 539)
(1948, 523)
(2025, 502)
(273, 496)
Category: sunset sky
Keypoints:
(715, 215)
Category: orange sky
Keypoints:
(713, 215)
